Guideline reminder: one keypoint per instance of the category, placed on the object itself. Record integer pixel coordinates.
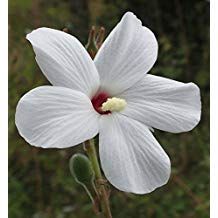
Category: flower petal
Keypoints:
(56, 117)
(131, 158)
(126, 55)
(164, 104)
(64, 60)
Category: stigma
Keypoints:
(114, 104)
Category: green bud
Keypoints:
(81, 169)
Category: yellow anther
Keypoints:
(114, 104)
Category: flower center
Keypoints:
(104, 104)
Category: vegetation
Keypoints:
(40, 183)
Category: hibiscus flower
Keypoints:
(112, 96)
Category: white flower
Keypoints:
(112, 96)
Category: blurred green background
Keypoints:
(40, 184)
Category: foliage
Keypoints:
(40, 184)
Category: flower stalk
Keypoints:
(101, 189)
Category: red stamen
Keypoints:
(98, 100)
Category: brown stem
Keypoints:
(103, 195)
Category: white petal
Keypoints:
(64, 60)
(56, 117)
(131, 158)
(164, 104)
(126, 55)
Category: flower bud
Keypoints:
(81, 169)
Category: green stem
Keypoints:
(103, 195)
